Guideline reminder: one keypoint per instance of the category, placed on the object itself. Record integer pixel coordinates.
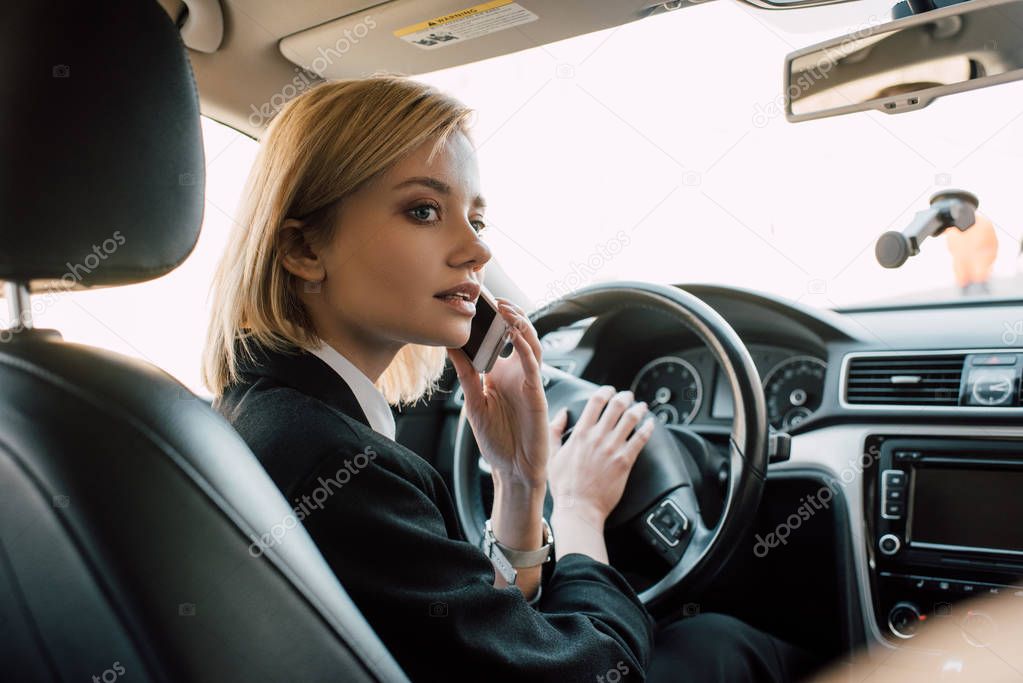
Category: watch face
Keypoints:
(548, 535)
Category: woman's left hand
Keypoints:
(507, 408)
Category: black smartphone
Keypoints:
(490, 336)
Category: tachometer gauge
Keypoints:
(671, 388)
(793, 390)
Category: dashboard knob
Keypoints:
(889, 544)
(904, 620)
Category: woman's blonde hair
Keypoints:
(323, 145)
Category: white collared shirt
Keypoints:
(372, 402)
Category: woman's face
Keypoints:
(399, 241)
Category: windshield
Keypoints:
(659, 151)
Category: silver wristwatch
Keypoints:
(506, 559)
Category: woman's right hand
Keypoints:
(587, 474)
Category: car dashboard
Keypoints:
(909, 418)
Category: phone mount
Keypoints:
(948, 208)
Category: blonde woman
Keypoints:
(363, 213)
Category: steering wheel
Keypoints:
(660, 502)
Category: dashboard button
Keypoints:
(995, 359)
(904, 620)
(889, 544)
(894, 478)
(894, 510)
(895, 494)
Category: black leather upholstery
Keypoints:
(128, 508)
(127, 513)
(100, 143)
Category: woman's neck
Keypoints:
(371, 356)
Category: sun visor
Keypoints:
(418, 36)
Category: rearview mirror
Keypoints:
(906, 64)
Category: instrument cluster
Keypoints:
(689, 385)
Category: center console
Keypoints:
(944, 523)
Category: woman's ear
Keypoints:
(297, 255)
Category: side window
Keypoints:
(162, 321)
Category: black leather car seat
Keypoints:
(127, 507)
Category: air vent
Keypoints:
(921, 380)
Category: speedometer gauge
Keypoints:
(671, 388)
(793, 390)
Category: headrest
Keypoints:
(100, 144)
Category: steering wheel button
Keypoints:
(668, 523)
(665, 522)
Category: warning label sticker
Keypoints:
(466, 24)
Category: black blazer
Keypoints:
(385, 522)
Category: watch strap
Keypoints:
(514, 557)
(501, 563)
